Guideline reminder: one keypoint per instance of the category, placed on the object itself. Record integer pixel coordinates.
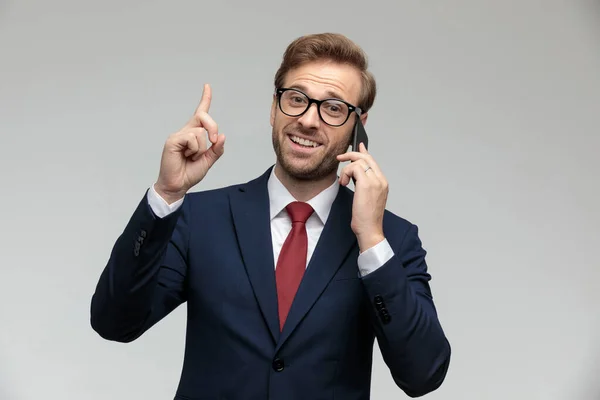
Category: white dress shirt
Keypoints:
(279, 198)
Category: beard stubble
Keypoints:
(314, 169)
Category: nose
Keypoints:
(310, 119)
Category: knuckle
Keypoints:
(174, 138)
(201, 116)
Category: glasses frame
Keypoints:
(351, 108)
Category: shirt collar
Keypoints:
(280, 197)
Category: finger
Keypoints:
(204, 105)
(202, 119)
(362, 150)
(350, 156)
(354, 170)
(362, 154)
(190, 142)
(215, 151)
(200, 135)
(361, 171)
(354, 156)
(370, 160)
(209, 124)
(373, 172)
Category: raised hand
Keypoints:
(370, 196)
(185, 158)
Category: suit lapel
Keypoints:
(251, 217)
(333, 246)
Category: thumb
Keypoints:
(216, 150)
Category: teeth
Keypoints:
(304, 142)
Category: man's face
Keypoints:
(315, 159)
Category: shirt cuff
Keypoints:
(373, 258)
(159, 206)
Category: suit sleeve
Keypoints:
(144, 279)
(409, 334)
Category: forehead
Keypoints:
(326, 79)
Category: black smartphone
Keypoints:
(360, 135)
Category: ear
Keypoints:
(273, 109)
(363, 118)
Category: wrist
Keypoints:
(168, 196)
(367, 241)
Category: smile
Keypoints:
(303, 142)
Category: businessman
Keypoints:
(290, 277)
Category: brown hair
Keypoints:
(331, 47)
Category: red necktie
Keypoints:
(292, 258)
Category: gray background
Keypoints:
(486, 124)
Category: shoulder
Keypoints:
(205, 199)
(395, 221)
(398, 230)
(211, 196)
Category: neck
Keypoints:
(303, 190)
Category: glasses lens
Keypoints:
(293, 103)
(334, 112)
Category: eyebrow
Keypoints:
(329, 93)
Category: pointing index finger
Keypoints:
(206, 98)
(202, 109)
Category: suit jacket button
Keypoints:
(385, 317)
(278, 365)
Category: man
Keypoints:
(290, 277)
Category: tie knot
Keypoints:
(299, 211)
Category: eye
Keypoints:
(334, 108)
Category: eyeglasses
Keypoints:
(333, 112)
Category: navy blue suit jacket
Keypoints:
(215, 253)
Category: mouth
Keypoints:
(303, 143)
